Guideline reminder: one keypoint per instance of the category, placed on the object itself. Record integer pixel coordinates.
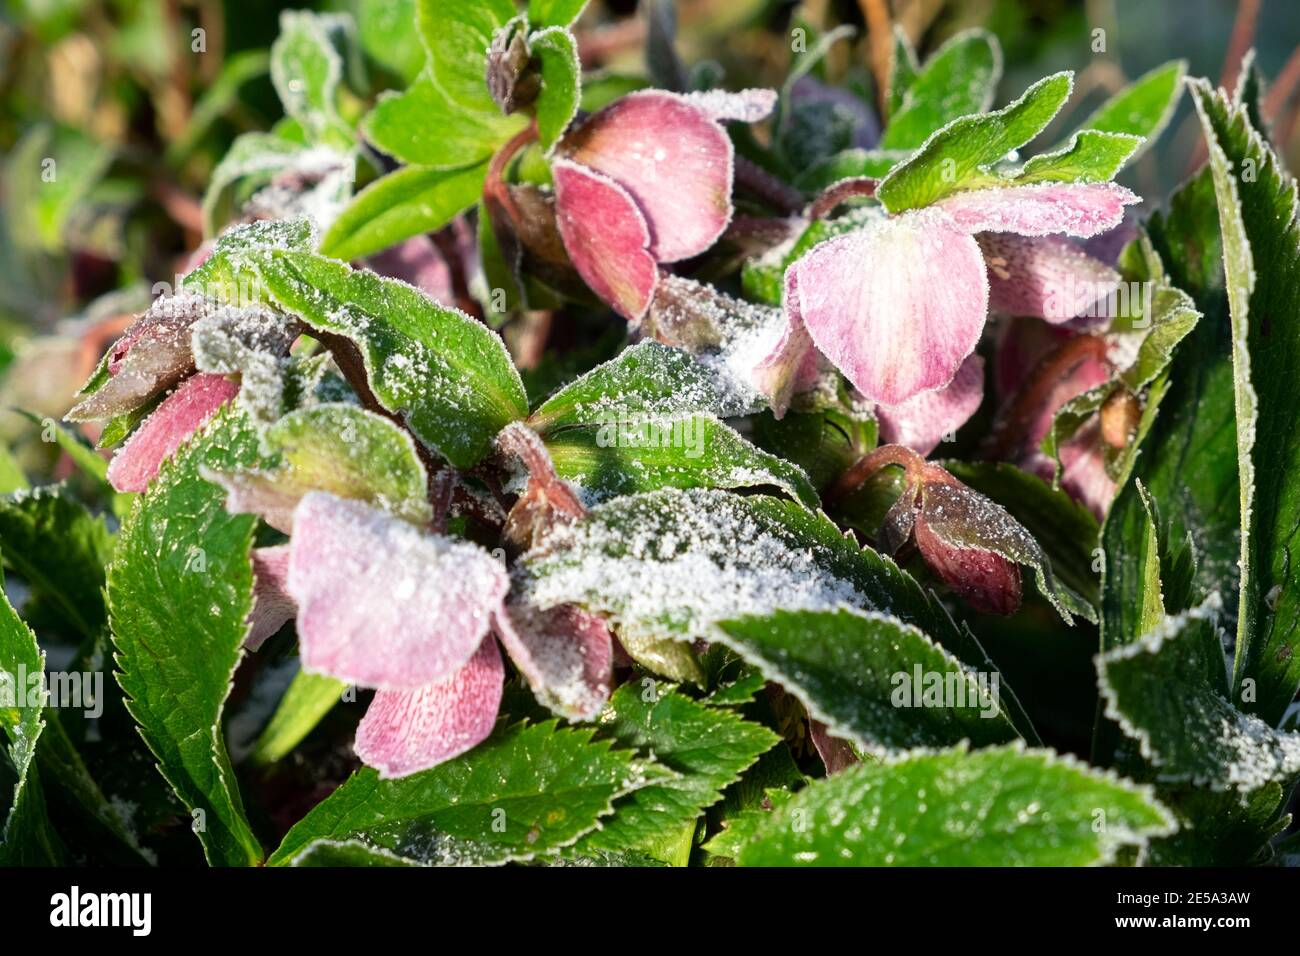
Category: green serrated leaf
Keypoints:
(179, 592)
(525, 791)
(959, 152)
(871, 679)
(708, 748)
(1004, 806)
(347, 853)
(1261, 255)
(1169, 692)
(409, 202)
(449, 377)
(959, 79)
(713, 556)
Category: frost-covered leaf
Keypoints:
(457, 34)
(309, 698)
(960, 78)
(221, 277)
(647, 379)
(1091, 156)
(671, 564)
(26, 837)
(1144, 107)
(409, 202)
(1169, 691)
(422, 127)
(1188, 458)
(557, 103)
(347, 853)
(645, 453)
(179, 592)
(60, 549)
(707, 747)
(306, 70)
(527, 790)
(959, 151)
(871, 679)
(342, 449)
(1004, 806)
(448, 376)
(1261, 255)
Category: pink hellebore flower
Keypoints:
(647, 180)
(899, 305)
(384, 604)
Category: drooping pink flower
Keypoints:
(647, 180)
(924, 420)
(180, 415)
(969, 542)
(384, 604)
(898, 305)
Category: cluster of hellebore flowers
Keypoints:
(897, 306)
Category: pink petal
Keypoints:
(381, 603)
(1022, 343)
(606, 238)
(1083, 470)
(747, 106)
(921, 422)
(179, 416)
(1078, 209)
(985, 580)
(1047, 277)
(405, 732)
(672, 158)
(896, 306)
(566, 654)
(794, 364)
(417, 261)
(272, 605)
